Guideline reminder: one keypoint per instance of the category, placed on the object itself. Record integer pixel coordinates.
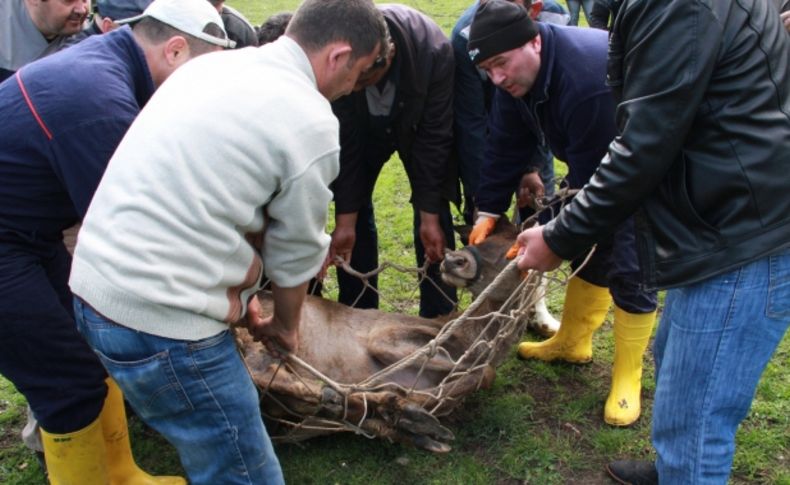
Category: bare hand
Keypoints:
(534, 252)
(432, 237)
(530, 189)
(343, 237)
(786, 20)
(279, 341)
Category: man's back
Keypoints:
(50, 157)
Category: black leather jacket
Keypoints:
(423, 118)
(704, 146)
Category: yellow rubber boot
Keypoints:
(585, 310)
(122, 468)
(76, 458)
(631, 333)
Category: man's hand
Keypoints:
(786, 20)
(530, 189)
(432, 237)
(535, 253)
(343, 237)
(280, 331)
(484, 225)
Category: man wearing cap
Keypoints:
(106, 13)
(30, 29)
(201, 201)
(56, 143)
(239, 29)
(403, 105)
(701, 162)
(552, 90)
(472, 94)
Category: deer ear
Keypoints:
(463, 232)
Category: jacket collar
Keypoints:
(540, 90)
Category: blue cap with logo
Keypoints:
(121, 9)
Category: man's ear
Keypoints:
(176, 50)
(338, 56)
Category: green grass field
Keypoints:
(539, 424)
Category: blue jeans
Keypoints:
(198, 395)
(713, 343)
(575, 5)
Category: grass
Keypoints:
(538, 424)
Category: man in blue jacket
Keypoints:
(54, 147)
(560, 98)
(472, 99)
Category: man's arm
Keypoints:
(80, 160)
(661, 90)
(279, 331)
(469, 115)
(433, 142)
(510, 148)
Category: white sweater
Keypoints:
(235, 150)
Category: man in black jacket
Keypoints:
(404, 105)
(702, 155)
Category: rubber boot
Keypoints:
(631, 334)
(585, 310)
(122, 469)
(76, 458)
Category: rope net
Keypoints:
(414, 370)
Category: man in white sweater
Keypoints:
(209, 187)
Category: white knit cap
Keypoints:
(189, 16)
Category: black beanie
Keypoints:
(499, 26)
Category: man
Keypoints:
(30, 29)
(552, 90)
(404, 104)
(106, 12)
(239, 29)
(702, 156)
(273, 27)
(200, 198)
(471, 102)
(56, 143)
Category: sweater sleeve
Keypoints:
(295, 241)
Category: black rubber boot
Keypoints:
(633, 472)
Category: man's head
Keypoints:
(171, 32)
(505, 42)
(379, 68)
(274, 27)
(109, 11)
(57, 17)
(342, 39)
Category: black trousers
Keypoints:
(364, 258)
(41, 351)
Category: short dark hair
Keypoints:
(318, 23)
(273, 27)
(157, 32)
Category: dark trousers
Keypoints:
(615, 265)
(41, 352)
(364, 258)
